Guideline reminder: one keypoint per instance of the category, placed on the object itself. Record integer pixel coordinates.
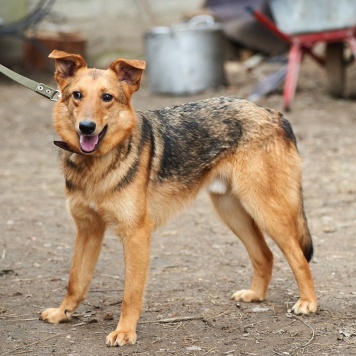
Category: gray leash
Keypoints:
(39, 88)
(44, 90)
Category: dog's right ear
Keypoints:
(129, 72)
(66, 64)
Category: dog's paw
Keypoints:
(121, 338)
(305, 307)
(55, 315)
(247, 296)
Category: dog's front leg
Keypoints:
(90, 233)
(137, 255)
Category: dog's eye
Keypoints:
(77, 95)
(107, 97)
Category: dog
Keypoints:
(132, 170)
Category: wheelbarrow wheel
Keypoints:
(335, 68)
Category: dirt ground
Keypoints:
(196, 262)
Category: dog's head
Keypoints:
(94, 113)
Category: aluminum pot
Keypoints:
(186, 58)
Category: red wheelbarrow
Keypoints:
(302, 42)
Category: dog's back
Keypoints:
(191, 138)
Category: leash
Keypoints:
(39, 88)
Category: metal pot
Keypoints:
(186, 58)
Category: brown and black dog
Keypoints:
(132, 170)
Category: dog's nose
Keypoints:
(87, 127)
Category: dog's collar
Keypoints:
(64, 146)
(39, 88)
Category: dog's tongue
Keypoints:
(87, 143)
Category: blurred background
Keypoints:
(109, 28)
(190, 46)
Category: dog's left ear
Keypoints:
(66, 64)
(129, 71)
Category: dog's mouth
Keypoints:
(89, 143)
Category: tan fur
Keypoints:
(130, 183)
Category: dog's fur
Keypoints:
(136, 169)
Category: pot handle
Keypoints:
(202, 20)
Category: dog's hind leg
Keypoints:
(90, 233)
(283, 229)
(269, 188)
(241, 223)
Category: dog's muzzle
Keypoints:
(89, 143)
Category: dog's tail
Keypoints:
(305, 239)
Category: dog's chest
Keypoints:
(94, 179)
(93, 186)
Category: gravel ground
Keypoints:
(196, 262)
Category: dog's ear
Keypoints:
(66, 64)
(129, 71)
